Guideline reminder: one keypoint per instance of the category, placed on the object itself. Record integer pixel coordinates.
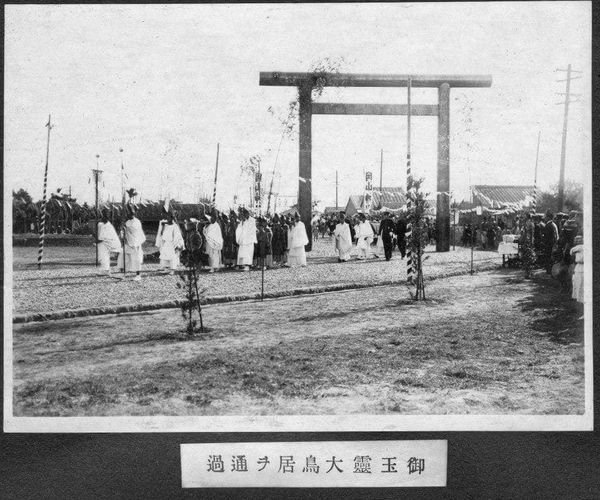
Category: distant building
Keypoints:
(390, 198)
(497, 197)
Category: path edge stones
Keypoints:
(220, 299)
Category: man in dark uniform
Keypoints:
(193, 245)
(401, 234)
(538, 235)
(549, 239)
(386, 233)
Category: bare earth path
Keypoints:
(68, 280)
(492, 343)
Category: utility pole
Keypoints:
(563, 151)
(96, 173)
(537, 155)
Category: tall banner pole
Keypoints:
(214, 198)
(96, 179)
(124, 212)
(43, 221)
(537, 155)
(409, 263)
(380, 180)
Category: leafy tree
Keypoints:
(573, 197)
(23, 195)
(23, 210)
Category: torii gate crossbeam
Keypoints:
(307, 81)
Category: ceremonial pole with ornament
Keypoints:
(408, 234)
(537, 155)
(214, 198)
(43, 218)
(124, 212)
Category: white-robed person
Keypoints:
(364, 237)
(577, 278)
(134, 237)
(214, 243)
(169, 241)
(298, 239)
(343, 238)
(245, 237)
(108, 241)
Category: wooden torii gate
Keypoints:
(307, 81)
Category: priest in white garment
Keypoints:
(107, 241)
(169, 241)
(343, 238)
(134, 237)
(364, 237)
(245, 237)
(214, 243)
(298, 240)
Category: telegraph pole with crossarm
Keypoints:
(563, 151)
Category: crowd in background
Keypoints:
(238, 240)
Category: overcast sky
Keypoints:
(167, 82)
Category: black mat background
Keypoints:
(480, 464)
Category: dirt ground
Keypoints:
(491, 343)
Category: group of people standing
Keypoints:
(369, 236)
(128, 246)
(216, 241)
(555, 243)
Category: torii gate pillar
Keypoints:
(305, 159)
(307, 81)
(442, 218)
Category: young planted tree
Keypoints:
(191, 309)
(418, 239)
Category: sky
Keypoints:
(166, 83)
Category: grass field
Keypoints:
(492, 343)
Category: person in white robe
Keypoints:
(134, 238)
(343, 238)
(577, 255)
(107, 241)
(214, 244)
(298, 240)
(245, 237)
(364, 237)
(169, 241)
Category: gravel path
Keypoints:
(65, 285)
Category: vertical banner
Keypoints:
(257, 193)
(368, 194)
